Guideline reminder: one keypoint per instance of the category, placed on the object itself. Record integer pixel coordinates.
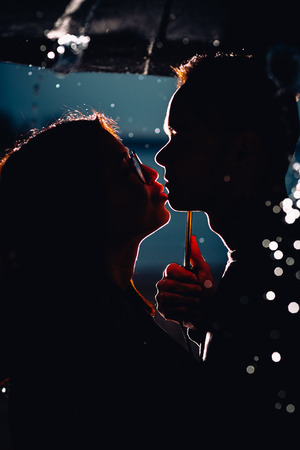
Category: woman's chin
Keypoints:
(162, 221)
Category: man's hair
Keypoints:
(239, 86)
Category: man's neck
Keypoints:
(247, 221)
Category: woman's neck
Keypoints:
(119, 260)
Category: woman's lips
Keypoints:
(159, 192)
(163, 195)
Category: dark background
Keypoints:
(125, 72)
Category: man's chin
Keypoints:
(178, 204)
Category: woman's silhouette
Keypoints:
(82, 351)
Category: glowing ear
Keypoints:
(244, 152)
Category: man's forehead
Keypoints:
(180, 112)
(186, 108)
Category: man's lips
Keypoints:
(167, 184)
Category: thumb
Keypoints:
(197, 259)
(204, 274)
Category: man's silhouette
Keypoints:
(232, 134)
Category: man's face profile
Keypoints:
(192, 158)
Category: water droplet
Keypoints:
(43, 48)
(216, 43)
(293, 307)
(273, 246)
(227, 178)
(274, 334)
(290, 408)
(185, 41)
(250, 369)
(276, 209)
(281, 394)
(36, 90)
(51, 55)
(157, 130)
(61, 49)
(290, 261)
(270, 295)
(278, 254)
(130, 135)
(278, 271)
(266, 243)
(296, 194)
(57, 85)
(287, 204)
(276, 357)
(296, 245)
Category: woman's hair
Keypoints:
(241, 87)
(50, 195)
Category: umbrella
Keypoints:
(145, 37)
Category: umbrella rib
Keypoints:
(160, 33)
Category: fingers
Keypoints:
(182, 294)
(178, 300)
(187, 288)
(175, 272)
(177, 307)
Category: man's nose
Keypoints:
(160, 156)
(150, 174)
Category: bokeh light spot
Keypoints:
(250, 369)
(270, 295)
(278, 254)
(278, 271)
(293, 307)
(290, 408)
(273, 245)
(276, 357)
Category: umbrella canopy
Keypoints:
(135, 36)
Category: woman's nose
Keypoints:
(150, 174)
